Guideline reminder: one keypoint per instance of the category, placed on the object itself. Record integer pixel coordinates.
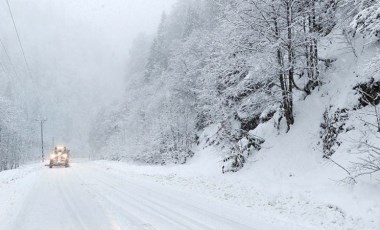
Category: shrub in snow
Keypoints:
(369, 92)
(179, 156)
(368, 147)
(233, 163)
(333, 124)
(240, 152)
(369, 163)
(370, 95)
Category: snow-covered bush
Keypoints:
(369, 102)
(333, 124)
(369, 92)
(240, 152)
(367, 21)
(369, 162)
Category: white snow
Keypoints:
(108, 195)
(115, 195)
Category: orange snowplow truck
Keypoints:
(60, 157)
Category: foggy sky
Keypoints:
(77, 52)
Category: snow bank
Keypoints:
(14, 187)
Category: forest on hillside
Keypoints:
(233, 64)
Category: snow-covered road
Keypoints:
(88, 196)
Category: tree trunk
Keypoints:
(285, 81)
(314, 48)
(289, 91)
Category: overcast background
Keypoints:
(77, 52)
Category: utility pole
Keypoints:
(42, 138)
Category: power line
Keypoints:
(9, 58)
(19, 40)
(2, 67)
(16, 75)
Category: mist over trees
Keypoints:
(16, 132)
(232, 63)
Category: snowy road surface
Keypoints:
(88, 196)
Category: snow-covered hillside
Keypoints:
(289, 175)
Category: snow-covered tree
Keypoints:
(367, 20)
(232, 63)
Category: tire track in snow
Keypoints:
(167, 213)
(276, 223)
(129, 199)
(162, 201)
(69, 205)
(117, 208)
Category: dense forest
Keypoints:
(16, 130)
(232, 65)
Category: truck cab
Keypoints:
(60, 157)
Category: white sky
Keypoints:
(77, 51)
(72, 32)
